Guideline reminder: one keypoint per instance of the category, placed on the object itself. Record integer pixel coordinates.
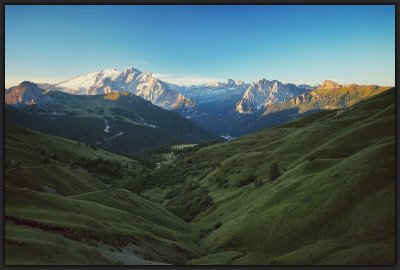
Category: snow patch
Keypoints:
(150, 125)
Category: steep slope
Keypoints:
(264, 92)
(26, 93)
(131, 80)
(332, 203)
(329, 95)
(37, 161)
(56, 213)
(118, 122)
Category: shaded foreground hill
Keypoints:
(62, 210)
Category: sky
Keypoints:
(199, 44)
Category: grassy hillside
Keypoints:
(117, 122)
(333, 203)
(327, 99)
(44, 160)
(58, 212)
(319, 190)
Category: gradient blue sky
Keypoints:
(196, 44)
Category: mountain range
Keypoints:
(131, 80)
(232, 108)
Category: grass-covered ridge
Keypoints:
(327, 99)
(56, 206)
(117, 122)
(333, 202)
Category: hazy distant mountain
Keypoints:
(231, 108)
(213, 92)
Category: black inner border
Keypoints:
(192, 2)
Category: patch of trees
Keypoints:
(79, 234)
(223, 182)
(191, 199)
(150, 158)
(93, 146)
(192, 149)
(101, 166)
(245, 181)
(45, 159)
(257, 183)
(205, 232)
(37, 224)
(140, 183)
(167, 175)
(147, 160)
(274, 171)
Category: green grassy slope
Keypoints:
(67, 226)
(116, 218)
(332, 204)
(327, 99)
(134, 123)
(26, 245)
(31, 148)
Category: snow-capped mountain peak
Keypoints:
(132, 80)
(266, 92)
(110, 73)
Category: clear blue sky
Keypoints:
(193, 44)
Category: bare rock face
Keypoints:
(26, 93)
(264, 92)
(132, 80)
(328, 84)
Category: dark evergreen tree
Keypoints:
(274, 172)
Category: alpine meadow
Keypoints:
(127, 142)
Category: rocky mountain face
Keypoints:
(266, 92)
(26, 93)
(328, 84)
(236, 108)
(231, 108)
(132, 80)
(328, 96)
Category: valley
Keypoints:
(199, 135)
(309, 191)
(134, 123)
